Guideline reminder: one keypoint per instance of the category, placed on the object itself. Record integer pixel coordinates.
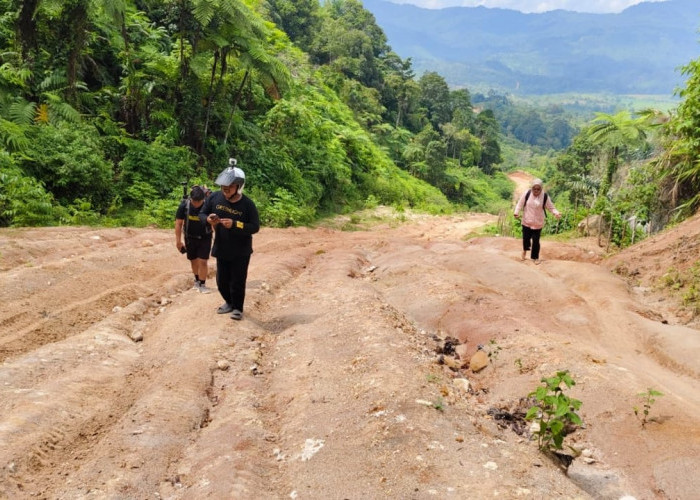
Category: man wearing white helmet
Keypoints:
(234, 218)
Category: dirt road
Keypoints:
(117, 380)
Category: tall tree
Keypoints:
(300, 19)
(435, 98)
(400, 92)
(26, 27)
(487, 131)
(616, 134)
(681, 161)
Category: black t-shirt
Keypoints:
(193, 226)
(237, 241)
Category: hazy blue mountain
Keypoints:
(637, 51)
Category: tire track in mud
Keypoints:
(58, 324)
(164, 390)
(68, 378)
(317, 432)
(328, 351)
(59, 296)
(225, 459)
(24, 332)
(322, 402)
(63, 396)
(75, 396)
(29, 247)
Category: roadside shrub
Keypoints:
(282, 210)
(152, 170)
(67, 159)
(158, 213)
(80, 213)
(23, 200)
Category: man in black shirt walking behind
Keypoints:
(197, 235)
(235, 220)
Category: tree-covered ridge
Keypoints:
(636, 51)
(106, 107)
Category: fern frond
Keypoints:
(54, 81)
(15, 76)
(12, 136)
(22, 112)
(62, 111)
(203, 11)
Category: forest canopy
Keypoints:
(107, 108)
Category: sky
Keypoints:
(597, 6)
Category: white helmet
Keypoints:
(231, 175)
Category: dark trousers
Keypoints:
(231, 276)
(531, 241)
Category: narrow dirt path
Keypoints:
(331, 386)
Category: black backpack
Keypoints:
(544, 203)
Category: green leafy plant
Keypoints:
(648, 398)
(283, 210)
(23, 199)
(554, 411)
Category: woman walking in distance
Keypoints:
(234, 218)
(534, 205)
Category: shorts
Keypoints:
(198, 249)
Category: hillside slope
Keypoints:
(331, 386)
(637, 51)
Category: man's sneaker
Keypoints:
(236, 314)
(204, 289)
(224, 308)
(196, 285)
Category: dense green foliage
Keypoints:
(548, 127)
(680, 164)
(640, 169)
(106, 107)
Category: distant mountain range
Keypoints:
(637, 51)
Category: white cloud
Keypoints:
(598, 6)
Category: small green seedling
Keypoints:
(439, 404)
(554, 411)
(519, 363)
(494, 350)
(648, 400)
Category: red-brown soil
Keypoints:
(331, 387)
